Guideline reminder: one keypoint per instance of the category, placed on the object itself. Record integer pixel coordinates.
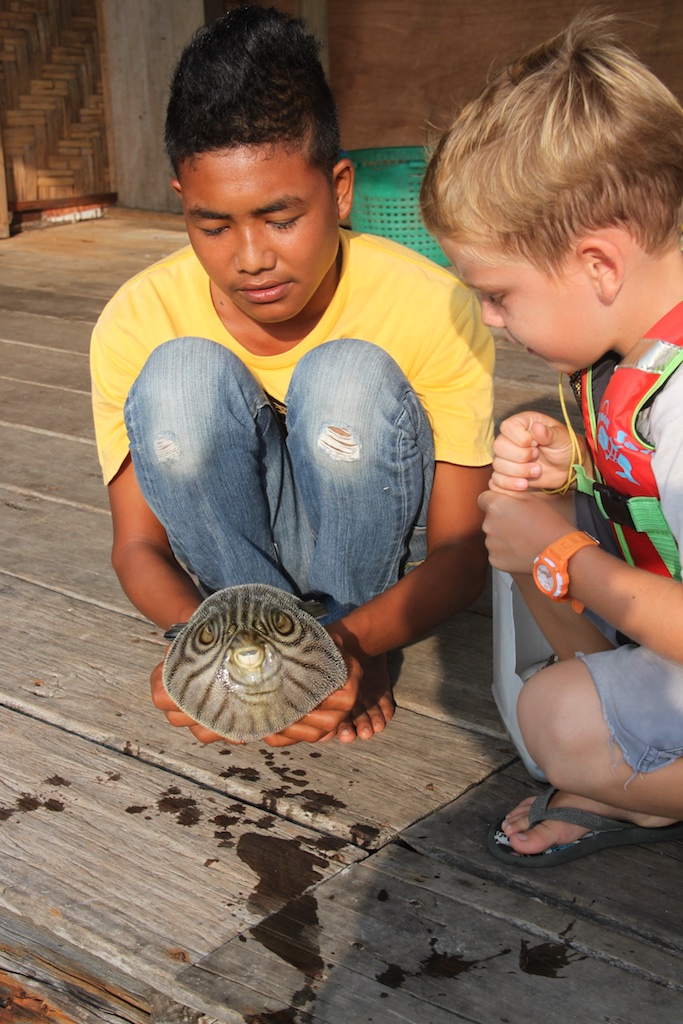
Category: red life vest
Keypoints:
(625, 489)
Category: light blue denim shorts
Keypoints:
(642, 701)
(641, 692)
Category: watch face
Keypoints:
(545, 578)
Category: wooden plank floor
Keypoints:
(146, 878)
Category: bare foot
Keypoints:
(547, 834)
(375, 705)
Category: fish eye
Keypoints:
(282, 622)
(206, 635)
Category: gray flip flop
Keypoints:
(604, 832)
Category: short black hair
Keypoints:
(251, 78)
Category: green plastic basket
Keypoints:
(386, 197)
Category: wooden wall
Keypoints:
(53, 145)
(142, 43)
(399, 66)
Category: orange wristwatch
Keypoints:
(551, 572)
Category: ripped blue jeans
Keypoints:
(334, 507)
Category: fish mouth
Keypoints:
(251, 663)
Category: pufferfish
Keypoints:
(250, 662)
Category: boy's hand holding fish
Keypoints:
(325, 721)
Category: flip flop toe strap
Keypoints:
(572, 815)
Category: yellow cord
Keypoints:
(576, 450)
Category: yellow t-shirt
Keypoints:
(387, 294)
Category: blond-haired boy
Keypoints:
(557, 194)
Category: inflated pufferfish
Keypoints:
(250, 662)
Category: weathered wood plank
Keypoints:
(633, 954)
(146, 871)
(398, 82)
(46, 366)
(50, 331)
(52, 466)
(63, 547)
(511, 397)
(49, 303)
(447, 674)
(627, 889)
(514, 363)
(86, 670)
(42, 974)
(87, 261)
(4, 209)
(46, 408)
(524, 381)
(419, 942)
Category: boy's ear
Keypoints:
(342, 183)
(175, 185)
(602, 259)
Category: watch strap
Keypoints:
(560, 551)
(566, 546)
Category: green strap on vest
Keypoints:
(643, 514)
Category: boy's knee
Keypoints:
(337, 362)
(192, 398)
(544, 716)
(186, 382)
(185, 361)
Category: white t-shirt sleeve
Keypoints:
(666, 433)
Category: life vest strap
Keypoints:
(642, 514)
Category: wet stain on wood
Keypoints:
(446, 965)
(364, 835)
(392, 977)
(185, 808)
(266, 822)
(28, 802)
(288, 1015)
(248, 774)
(222, 833)
(270, 798)
(546, 959)
(329, 844)
(57, 780)
(285, 870)
(293, 934)
(436, 965)
(320, 803)
(296, 776)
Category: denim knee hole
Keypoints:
(167, 448)
(339, 443)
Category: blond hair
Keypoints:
(576, 135)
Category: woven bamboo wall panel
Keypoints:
(51, 101)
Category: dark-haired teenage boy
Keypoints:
(283, 401)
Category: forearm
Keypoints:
(644, 606)
(155, 583)
(449, 579)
